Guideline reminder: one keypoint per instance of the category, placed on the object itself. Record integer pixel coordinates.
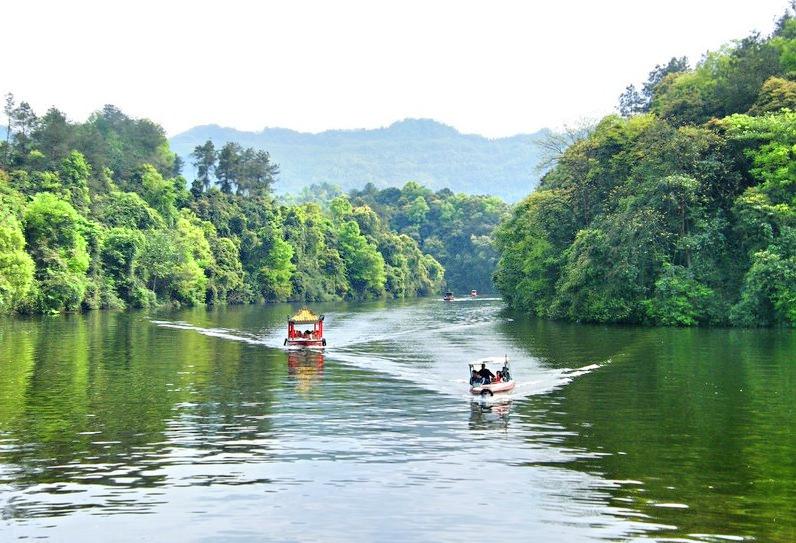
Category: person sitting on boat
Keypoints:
(476, 379)
(486, 374)
(498, 376)
(505, 373)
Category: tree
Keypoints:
(120, 253)
(775, 95)
(54, 137)
(258, 173)
(170, 270)
(228, 169)
(16, 267)
(225, 274)
(205, 158)
(364, 264)
(8, 110)
(158, 192)
(276, 270)
(24, 119)
(129, 210)
(111, 139)
(632, 101)
(769, 290)
(54, 234)
(74, 175)
(679, 299)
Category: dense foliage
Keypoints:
(680, 212)
(96, 215)
(456, 229)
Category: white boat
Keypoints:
(502, 380)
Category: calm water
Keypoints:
(197, 426)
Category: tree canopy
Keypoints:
(679, 212)
(97, 215)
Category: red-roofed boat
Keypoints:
(307, 338)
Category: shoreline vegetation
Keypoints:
(680, 211)
(96, 215)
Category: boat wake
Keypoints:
(420, 345)
(222, 333)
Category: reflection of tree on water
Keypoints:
(306, 366)
(485, 415)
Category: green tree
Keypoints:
(120, 253)
(276, 270)
(16, 267)
(204, 159)
(74, 174)
(679, 300)
(127, 209)
(158, 192)
(364, 264)
(775, 95)
(228, 169)
(54, 234)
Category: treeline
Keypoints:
(456, 229)
(96, 215)
(681, 211)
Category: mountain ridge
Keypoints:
(422, 150)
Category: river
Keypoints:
(197, 426)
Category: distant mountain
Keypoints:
(421, 150)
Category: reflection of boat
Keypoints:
(502, 382)
(308, 338)
(489, 415)
(448, 297)
(306, 366)
(473, 293)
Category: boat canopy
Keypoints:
(305, 316)
(491, 361)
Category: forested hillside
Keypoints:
(456, 229)
(96, 215)
(420, 150)
(682, 211)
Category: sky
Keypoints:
(493, 67)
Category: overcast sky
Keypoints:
(493, 67)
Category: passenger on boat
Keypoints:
(498, 377)
(486, 374)
(476, 379)
(505, 373)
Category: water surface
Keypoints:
(197, 426)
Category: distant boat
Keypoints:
(448, 297)
(308, 338)
(473, 293)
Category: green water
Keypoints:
(197, 426)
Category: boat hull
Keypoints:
(493, 388)
(306, 343)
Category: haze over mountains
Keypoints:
(421, 150)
